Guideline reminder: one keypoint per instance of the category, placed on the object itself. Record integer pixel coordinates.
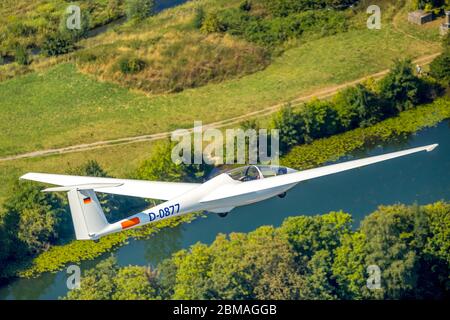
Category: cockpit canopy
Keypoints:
(254, 172)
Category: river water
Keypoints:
(420, 178)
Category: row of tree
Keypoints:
(359, 106)
(307, 257)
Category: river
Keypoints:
(420, 178)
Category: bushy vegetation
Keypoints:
(358, 106)
(435, 6)
(22, 56)
(440, 67)
(56, 44)
(139, 9)
(109, 282)
(31, 23)
(175, 61)
(129, 65)
(307, 257)
(270, 23)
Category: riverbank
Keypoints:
(301, 157)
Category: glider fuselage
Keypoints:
(197, 200)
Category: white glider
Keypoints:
(220, 194)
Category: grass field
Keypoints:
(61, 107)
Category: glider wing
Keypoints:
(294, 178)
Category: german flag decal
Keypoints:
(131, 222)
(87, 200)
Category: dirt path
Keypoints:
(320, 94)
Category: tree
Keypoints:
(97, 283)
(310, 234)
(357, 107)
(257, 265)
(308, 257)
(401, 88)
(318, 277)
(167, 274)
(139, 9)
(135, 283)
(397, 241)
(106, 281)
(35, 217)
(290, 125)
(130, 65)
(320, 120)
(161, 167)
(192, 279)
(90, 168)
(349, 267)
(440, 68)
(199, 17)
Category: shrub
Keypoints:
(57, 44)
(139, 9)
(199, 17)
(21, 55)
(129, 65)
(211, 24)
(401, 88)
(440, 68)
(20, 29)
(245, 5)
(320, 120)
(289, 124)
(278, 29)
(358, 106)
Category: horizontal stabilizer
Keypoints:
(125, 187)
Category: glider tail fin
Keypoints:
(87, 214)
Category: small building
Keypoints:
(445, 27)
(420, 17)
